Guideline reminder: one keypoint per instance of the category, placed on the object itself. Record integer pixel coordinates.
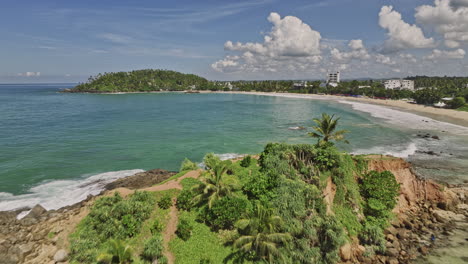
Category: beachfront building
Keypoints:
(333, 77)
(397, 84)
(300, 85)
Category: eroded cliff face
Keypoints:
(426, 215)
(414, 189)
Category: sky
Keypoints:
(68, 41)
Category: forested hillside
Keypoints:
(142, 81)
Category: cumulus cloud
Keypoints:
(358, 51)
(401, 35)
(291, 44)
(29, 74)
(384, 59)
(288, 37)
(449, 18)
(446, 54)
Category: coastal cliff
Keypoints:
(424, 209)
(425, 216)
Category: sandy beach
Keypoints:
(440, 114)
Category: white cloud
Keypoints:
(401, 35)
(356, 44)
(288, 37)
(446, 54)
(29, 74)
(458, 3)
(224, 65)
(449, 18)
(290, 45)
(384, 59)
(408, 57)
(358, 51)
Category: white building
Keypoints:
(300, 85)
(399, 84)
(333, 78)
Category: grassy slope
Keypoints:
(137, 243)
(203, 244)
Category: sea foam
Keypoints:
(400, 151)
(405, 119)
(60, 193)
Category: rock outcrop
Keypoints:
(426, 213)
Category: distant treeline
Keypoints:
(429, 89)
(142, 81)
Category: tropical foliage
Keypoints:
(325, 130)
(274, 209)
(142, 81)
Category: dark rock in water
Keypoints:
(435, 137)
(430, 152)
(141, 180)
(36, 212)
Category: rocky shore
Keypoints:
(427, 215)
(42, 236)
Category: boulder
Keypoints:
(448, 216)
(346, 252)
(392, 252)
(61, 255)
(36, 212)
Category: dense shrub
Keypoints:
(373, 235)
(184, 229)
(153, 249)
(185, 200)
(380, 190)
(246, 161)
(156, 227)
(457, 102)
(188, 165)
(226, 211)
(165, 202)
(210, 160)
(110, 218)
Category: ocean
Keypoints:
(58, 148)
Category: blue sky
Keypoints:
(66, 41)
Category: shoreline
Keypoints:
(439, 114)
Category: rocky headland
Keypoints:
(426, 217)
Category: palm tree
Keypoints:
(261, 235)
(117, 252)
(215, 185)
(325, 129)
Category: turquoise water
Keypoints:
(49, 137)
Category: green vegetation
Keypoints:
(142, 81)
(325, 130)
(277, 209)
(188, 165)
(184, 229)
(165, 202)
(457, 102)
(116, 252)
(203, 244)
(153, 249)
(115, 223)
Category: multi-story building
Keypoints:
(407, 84)
(399, 84)
(334, 77)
